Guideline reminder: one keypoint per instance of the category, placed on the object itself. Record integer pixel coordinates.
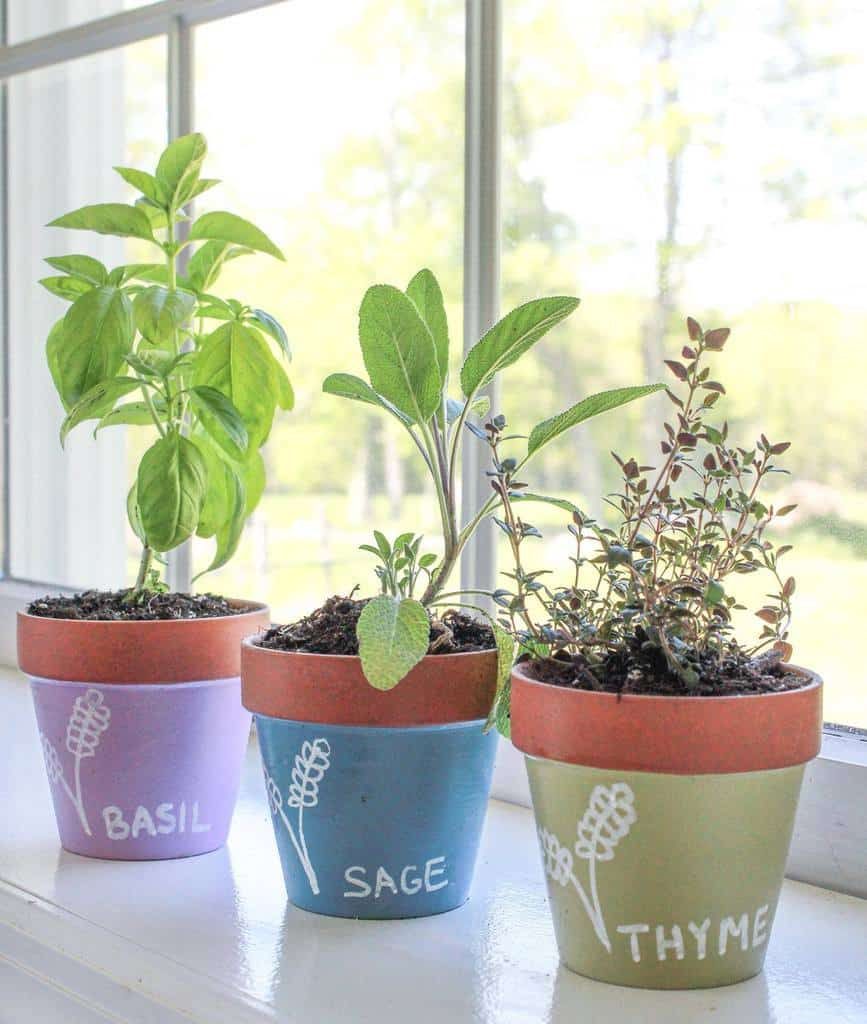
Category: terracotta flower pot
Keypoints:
(377, 798)
(664, 824)
(142, 729)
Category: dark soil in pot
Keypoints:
(641, 668)
(122, 606)
(331, 630)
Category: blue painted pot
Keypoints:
(377, 822)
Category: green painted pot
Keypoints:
(664, 825)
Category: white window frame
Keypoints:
(830, 845)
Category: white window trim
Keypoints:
(830, 843)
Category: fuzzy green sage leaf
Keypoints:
(586, 409)
(393, 637)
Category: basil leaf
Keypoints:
(228, 227)
(108, 219)
(172, 479)
(97, 334)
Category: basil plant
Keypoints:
(151, 344)
(404, 339)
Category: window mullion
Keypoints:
(5, 555)
(482, 155)
(181, 113)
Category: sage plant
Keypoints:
(404, 339)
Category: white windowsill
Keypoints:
(213, 939)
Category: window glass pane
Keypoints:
(68, 125)
(685, 157)
(338, 129)
(28, 19)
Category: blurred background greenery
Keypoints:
(661, 157)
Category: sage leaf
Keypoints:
(427, 296)
(510, 338)
(220, 419)
(586, 409)
(346, 385)
(97, 334)
(499, 716)
(108, 219)
(171, 484)
(228, 227)
(480, 407)
(393, 637)
(399, 353)
(96, 402)
(563, 503)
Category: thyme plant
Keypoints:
(404, 339)
(151, 344)
(651, 599)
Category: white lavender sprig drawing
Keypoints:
(609, 816)
(309, 769)
(89, 719)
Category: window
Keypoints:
(706, 159)
(91, 113)
(361, 185)
(27, 20)
(654, 158)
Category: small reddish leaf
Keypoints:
(784, 649)
(678, 369)
(693, 327)
(714, 340)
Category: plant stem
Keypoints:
(171, 258)
(143, 568)
(149, 402)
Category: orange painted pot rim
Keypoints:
(665, 734)
(331, 688)
(137, 650)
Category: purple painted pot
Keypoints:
(142, 772)
(142, 728)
